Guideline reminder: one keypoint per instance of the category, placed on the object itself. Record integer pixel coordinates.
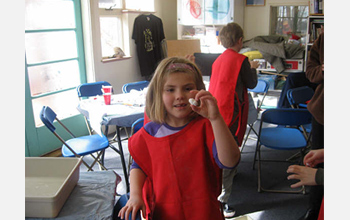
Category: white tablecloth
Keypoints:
(123, 110)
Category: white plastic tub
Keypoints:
(49, 181)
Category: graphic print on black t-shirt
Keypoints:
(149, 44)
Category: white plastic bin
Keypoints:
(48, 183)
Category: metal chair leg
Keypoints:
(261, 189)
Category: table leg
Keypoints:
(121, 153)
(123, 160)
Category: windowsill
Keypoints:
(138, 11)
(106, 60)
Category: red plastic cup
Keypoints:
(107, 98)
(107, 89)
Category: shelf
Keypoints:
(106, 60)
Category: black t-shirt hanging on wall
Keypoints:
(148, 34)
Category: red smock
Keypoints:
(223, 81)
(183, 180)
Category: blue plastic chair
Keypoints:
(297, 97)
(86, 90)
(76, 146)
(284, 137)
(262, 87)
(140, 85)
(135, 127)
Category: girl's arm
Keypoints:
(227, 148)
(135, 203)
(228, 151)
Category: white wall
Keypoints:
(256, 22)
(256, 18)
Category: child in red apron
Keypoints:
(179, 153)
(232, 74)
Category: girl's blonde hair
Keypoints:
(155, 109)
(230, 34)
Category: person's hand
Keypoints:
(134, 205)
(314, 157)
(208, 107)
(254, 64)
(306, 175)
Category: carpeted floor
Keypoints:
(245, 198)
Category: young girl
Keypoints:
(178, 155)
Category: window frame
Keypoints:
(80, 58)
(38, 140)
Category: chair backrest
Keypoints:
(91, 89)
(48, 116)
(286, 116)
(137, 125)
(261, 87)
(299, 95)
(140, 85)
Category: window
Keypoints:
(54, 55)
(111, 37)
(286, 20)
(111, 22)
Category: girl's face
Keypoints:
(176, 93)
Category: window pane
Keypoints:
(53, 77)
(111, 30)
(46, 14)
(49, 46)
(289, 19)
(64, 104)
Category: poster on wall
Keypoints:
(255, 2)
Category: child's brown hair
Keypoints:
(230, 34)
(155, 109)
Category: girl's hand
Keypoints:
(134, 205)
(208, 107)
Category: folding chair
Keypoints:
(298, 97)
(140, 85)
(261, 87)
(86, 90)
(136, 126)
(76, 146)
(285, 137)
